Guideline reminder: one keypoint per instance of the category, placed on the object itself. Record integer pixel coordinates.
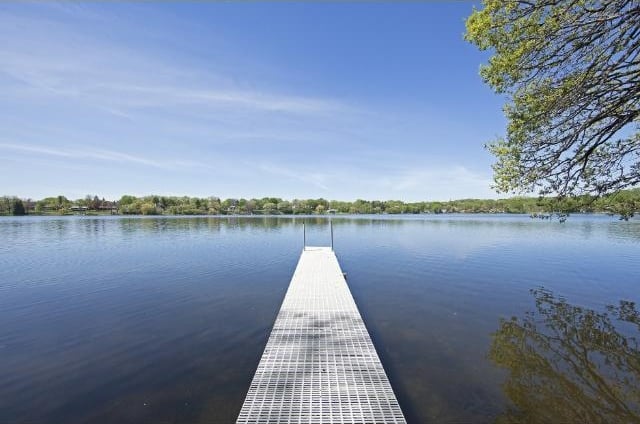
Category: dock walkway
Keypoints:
(319, 365)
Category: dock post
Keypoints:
(331, 226)
(304, 237)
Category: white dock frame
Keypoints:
(319, 365)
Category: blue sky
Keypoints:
(335, 100)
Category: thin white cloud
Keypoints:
(97, 154)
(316, 179)
(435, 182)
(53, 61)
(438, 182)
(167, 95)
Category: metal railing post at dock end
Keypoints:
(304, 237)
(331, 226)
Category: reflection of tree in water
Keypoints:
(569, 364)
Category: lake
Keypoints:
(164, 319)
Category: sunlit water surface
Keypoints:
(164, 319)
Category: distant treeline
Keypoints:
(624, 203)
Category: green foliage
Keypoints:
(624, 203)
(56, 205)
(126, 200)
(148, 208)
(571, 73)
(11, 205)
(17, 207)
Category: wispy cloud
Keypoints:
(174, 95)
(437, 182)
(434, 182)
(54, 61)
(97, 154)
(316, 179)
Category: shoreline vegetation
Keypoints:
(624, 204)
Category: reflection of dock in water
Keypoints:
(319, 365)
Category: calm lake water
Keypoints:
(164, 319)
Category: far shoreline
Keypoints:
(625, 204)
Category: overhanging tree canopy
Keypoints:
(571, 71)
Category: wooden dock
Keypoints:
(319, 365)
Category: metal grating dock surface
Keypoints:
(319, 365)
